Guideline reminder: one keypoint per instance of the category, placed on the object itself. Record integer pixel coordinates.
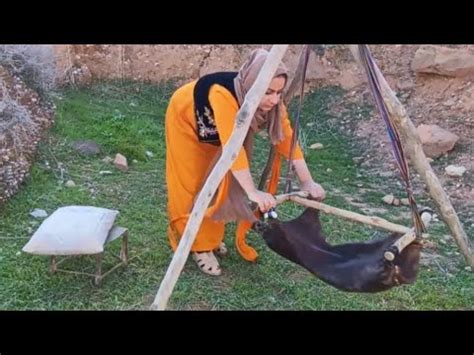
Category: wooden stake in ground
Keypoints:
(411, 141)
(229, 154)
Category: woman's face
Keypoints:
(273, 95)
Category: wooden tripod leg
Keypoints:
(228, 156)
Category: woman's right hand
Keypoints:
(264, 200)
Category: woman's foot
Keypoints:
(221, 250)
(207, 262)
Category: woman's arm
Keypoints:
(225, 109)
(306, 180)
(304, 175)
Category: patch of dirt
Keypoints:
(428, 99)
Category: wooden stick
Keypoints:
(229, 154)
(406, 239)
(112, 269)
(401, 243)
(285, 197)
(411, 141)
(351, 216)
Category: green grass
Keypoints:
(128, 118)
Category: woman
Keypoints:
(199, 121)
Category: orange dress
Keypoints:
(188, 160)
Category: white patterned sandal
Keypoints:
(207, 262)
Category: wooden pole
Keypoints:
(412, 144)
(229, 154)
(406, 239)
(373, 221)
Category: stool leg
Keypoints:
(98, 269)
(124, 250)
(52, 265)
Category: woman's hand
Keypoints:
(264, 200)
(306, 181)
(315, 190)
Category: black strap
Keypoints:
(206, 126)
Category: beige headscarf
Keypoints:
(243, 82)
(236, 205)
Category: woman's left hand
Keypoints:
(315, 190)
